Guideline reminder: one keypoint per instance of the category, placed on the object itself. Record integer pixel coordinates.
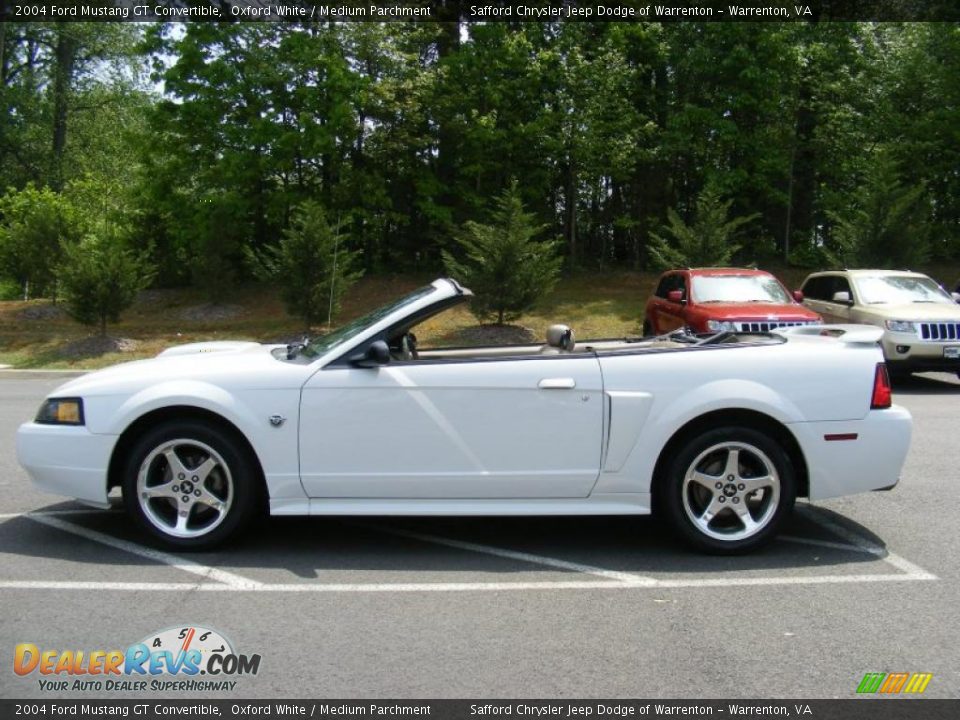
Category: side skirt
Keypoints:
(614, 504)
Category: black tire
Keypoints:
(694, 507)
(232, 479)
(647, 330)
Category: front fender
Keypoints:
(247, 410)
(191, 393)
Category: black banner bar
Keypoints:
(478, 10)
(892, 708)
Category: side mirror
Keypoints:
(842, 297)
(376, 354)
(675, 296)
(798, 295)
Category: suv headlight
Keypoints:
(720, 325)
(61, 411)
(900, 326)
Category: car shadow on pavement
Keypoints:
(378, 549)
(926, 384)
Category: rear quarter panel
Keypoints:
(656, 393)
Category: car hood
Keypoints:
(233, 364)
(937, 312)
(207, 347)
(757, 311)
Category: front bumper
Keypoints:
(872, 461)
(904, 352)
(66, 460)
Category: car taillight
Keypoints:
(881, 389)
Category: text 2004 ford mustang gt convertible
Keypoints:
(719, 433)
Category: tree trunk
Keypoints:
(448, 138)
(65, 57)
(103, 326)
(3, 54)
(570, 221)
(802, 182)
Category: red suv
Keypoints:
(715, 299)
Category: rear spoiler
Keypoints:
(854, 334)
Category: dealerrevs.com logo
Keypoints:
(176, 659)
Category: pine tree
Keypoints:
(888, 223)
(708, 241)
(100, 277)
(313, 264)
(503, 264)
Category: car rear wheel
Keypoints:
(189, 485)
(729, 490)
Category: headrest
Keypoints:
(560, 336)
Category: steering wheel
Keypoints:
(408, 346)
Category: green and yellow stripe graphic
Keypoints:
(891, 683)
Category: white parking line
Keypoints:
(83, 585)
(209, 573)
(611, 579)
(70, 511)
(623, 577)
(911, 569)
(825, 544)
(458, 586)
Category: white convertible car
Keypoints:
(720, 434)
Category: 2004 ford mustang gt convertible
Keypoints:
(720, 433)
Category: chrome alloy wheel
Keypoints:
(731, 491)
(185, 488)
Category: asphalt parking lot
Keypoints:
(477, 608)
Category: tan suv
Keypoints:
(920, 319)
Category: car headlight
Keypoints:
(720, 325)
(61, 411)
(900, 326)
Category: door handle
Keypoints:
(557, 384)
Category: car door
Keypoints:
(670, 315)
(833, 311)
(488, 428)
(818, 296)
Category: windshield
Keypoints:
(738, 288)
(900, 290)
(325, 343)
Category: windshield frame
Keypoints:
(938, 295)
(322, 345)
(785, 297)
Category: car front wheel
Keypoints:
(729, 490)
(189, 485)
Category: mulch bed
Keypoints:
(97, 345)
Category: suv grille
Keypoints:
(770, 325)
(940, 331)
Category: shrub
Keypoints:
(100, 278)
